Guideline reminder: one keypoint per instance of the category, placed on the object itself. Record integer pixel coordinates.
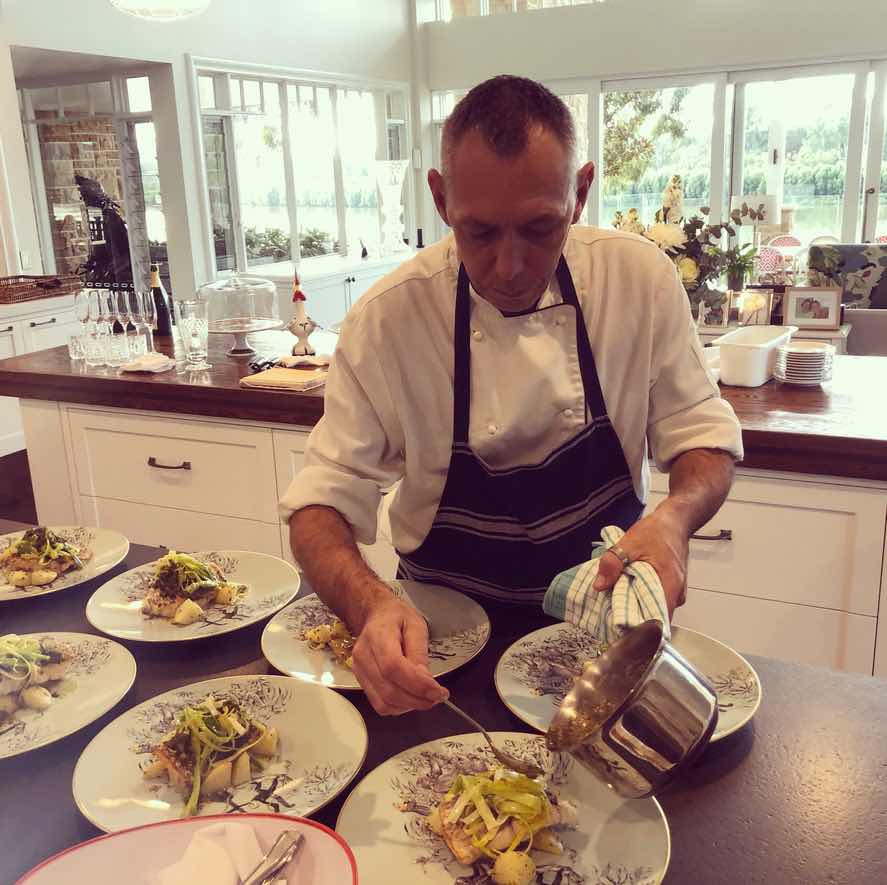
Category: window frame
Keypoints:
(284, 77)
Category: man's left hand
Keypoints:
(660, 539)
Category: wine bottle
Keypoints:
(161, 304)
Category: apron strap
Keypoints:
(594, 396)
(462, 359)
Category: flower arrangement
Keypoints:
(693, 244)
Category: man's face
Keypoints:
(511, 215)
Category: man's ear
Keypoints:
(438, 191)
(584, 178)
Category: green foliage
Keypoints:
(272, 243)
(314, 242)
(739, 259)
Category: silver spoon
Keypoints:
(509, 761)
(279, 856)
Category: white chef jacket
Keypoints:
(388, 407)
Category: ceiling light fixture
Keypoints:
(161, 10)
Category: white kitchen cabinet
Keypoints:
(12, 437)
(49, 330)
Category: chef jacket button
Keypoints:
(477, 335)
(492, 429)
(567, 413)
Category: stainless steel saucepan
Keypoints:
(637, 714)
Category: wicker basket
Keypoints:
(27, 288)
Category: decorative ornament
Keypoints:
(301, 324)
(673, 201)
(161, 10)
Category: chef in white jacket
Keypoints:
(509, 380)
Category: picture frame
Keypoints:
(716, 316)
(812, 307)
(755, 307)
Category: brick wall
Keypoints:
(80, 147)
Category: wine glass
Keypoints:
(143, 339)
(118, 343)
(96, 349)
(149, 314)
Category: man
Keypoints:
(510, 378)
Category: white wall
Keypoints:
(628, 38)
(330, 36)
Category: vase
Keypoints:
(736, 280)
(390, 175)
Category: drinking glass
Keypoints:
(149, 314)
(138, 339)
(193, 324)
(76, 347)
(81, 308)
(118, 342)
(96, 348)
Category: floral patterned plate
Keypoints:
(116, 607)
(383, 820)
(101, 672)
(532, 689)
(108, 549)
(458, 630)
(322, 744)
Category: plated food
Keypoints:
(182, 596)
(445, 812)
(308, 641)
(184, 587)
(303, 744)
(215, 745)
(53, 684)
(532, 676)
(39, 556)
(46, 559)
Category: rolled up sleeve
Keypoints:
(356, 449)
(686, 410)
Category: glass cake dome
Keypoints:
(238, 305)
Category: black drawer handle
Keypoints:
(722, 535)
(7, 329)
(43, 323)
(185, 465)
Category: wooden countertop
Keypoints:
(839, 429)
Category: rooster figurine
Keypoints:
(673, 201)
(301, 325)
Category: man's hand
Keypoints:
(697, 486)
(391, 660)
(661, 539)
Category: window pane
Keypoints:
(206, 91)
(155, 220)
(214, 152)
(881, 227)
(252, 95)
(75, 100)
(100, 93)
(313, 141)
(650, 135)
(139, 91)
(234, 85)
(258, 147)
(806, 120)
(359, 150)
(45, 102)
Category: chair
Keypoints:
(825, 239)
(860, 269)
(881, 239)
(784, 241)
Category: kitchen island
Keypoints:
(793, 566)
(797, 796)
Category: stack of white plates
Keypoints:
(806, 363)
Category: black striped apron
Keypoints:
(505, 533)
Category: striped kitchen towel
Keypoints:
(637, 596)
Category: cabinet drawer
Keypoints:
(178, 529)
(188, 465)
(49, 330)
(289, 455)
(799, 633)
(806, 543)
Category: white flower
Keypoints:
(666, 236)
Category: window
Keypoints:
(448, 9)
(795, 143)
(650, 135)
(138, 91)
(296, 182)
(578, 105)
(881, 184)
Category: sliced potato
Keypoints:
(19, 579)
(155, 768)
(218, 778)
(42, 576)
(36, 697)
(319, 635)
(226, 594)
(267, 744)
(547, 840)
(240, 772)
(187, 613)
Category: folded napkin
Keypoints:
(149, 362)
(278, 378)
(223, 854)
(294, 362)
(607, 614)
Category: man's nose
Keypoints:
(509, 257)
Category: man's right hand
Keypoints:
(391, 659)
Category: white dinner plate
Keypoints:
(322, 744)
(614, 841)
(532, 688)
(116, 607)
(324, 858)
(458, 630)
(108, 549)
(101, 672)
